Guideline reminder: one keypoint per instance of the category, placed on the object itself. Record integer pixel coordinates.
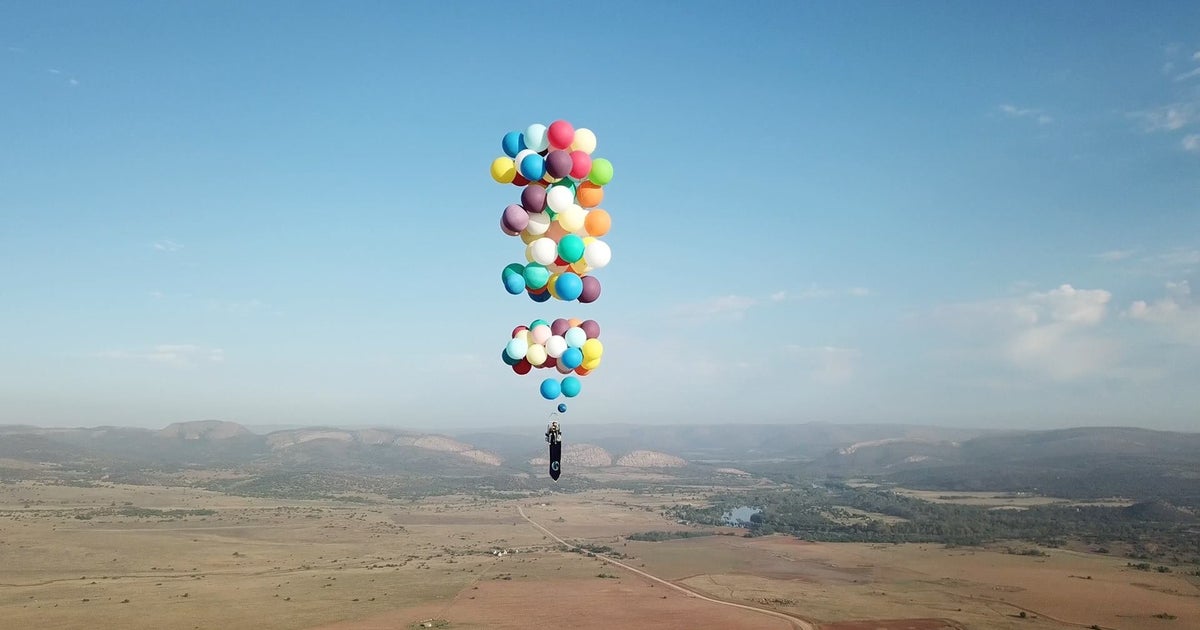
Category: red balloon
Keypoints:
(522, 367)
(581, 164)
(561, 134)
(519, 180)
(550, 362)
(518, 329)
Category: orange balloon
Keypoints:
(574, 321)
(597, 222)
(581, 371)
(589, 195)
(555, 231)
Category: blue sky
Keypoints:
(975, 215)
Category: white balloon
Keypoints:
(536, 137)
(584, 141)
(575, 337)
(556, 346)
(559, 198)
(539, 222)
(571, 219)
(544, 251)
(597, 254)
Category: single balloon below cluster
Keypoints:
(570, 346)
(558, 216)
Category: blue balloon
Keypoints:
(562, 407)
(570, 387)
(533, 167)
(572, 358)
(514, 283)
(540, 297)
(569, 286)
(551, 389)
(509, 361)
(516, 349)
(513, 143)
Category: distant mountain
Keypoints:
(204, 430)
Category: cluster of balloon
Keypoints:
(559, 220)
(558, 217)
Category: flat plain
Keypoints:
(132, 557)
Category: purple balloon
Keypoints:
(559, 164)
(533, 198)
(560, 327)
(515, 218)
(591, 328)
(591, 292)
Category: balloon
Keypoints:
(582, 371)
(559, 198)
(536, 354)
(597, 255)
(575, 337)
(589, 194)
(585, 141)
(591, 290)
(515, 218)
(539, 223)
(561, 134)
(601, 173)
(570, 387)
(559, 326)
(522, 367)
(522, 335)
(581, 164)
(592, 349)
(541, 333)
(503, 170)
(562, 408)
(544, 251)
(533, 199)
(539, 296)
(574, 322)
(512, 144)
(570, 248)
(556, 231)
(573, 218)
(551, 389)
(533, 166)
(597, 222)
(509, 361)
(518, 330)
(513, 277)
(571, 358)
(559, 164)
(562, 369)
(591, 328)
(536, 276)
(538, 322)
(556, 346)
(535, 137)
(569, 286)
(590, 365)
(518, 180)
(516, 349)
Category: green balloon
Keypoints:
(601, 173)
(538, 322)
(514, 269)
(570, 248)
(568, 182)
(536, 276)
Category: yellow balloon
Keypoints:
(588, 240)
(592, 349)
(591, 365)
(529, 253)
(504, 170)
(550, 285)
(584, 141)
(528, 238)
(536, 355)
(523, 335)
(572, 219)
(580, 267)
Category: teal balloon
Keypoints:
(568, 287)
(551, 389)
(572, 358)
(570, 387)
(513, 277)
(562, 407)
(516, 349)
(538, 322)
(570, 248)
(568, 182)
(536, 276)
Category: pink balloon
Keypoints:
(581, 164)
(541, 333)
(561, 134)
(560, 326)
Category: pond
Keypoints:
(740, 517)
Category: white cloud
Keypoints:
(1177, 313)
(1192, 143)
(167, 245)
(177, 355)
(827, 365)
(1171, 117)
(1046, 333)
(1176, 258)
(1115, 255)
(1196, 56)
(736, 306)
(1013, 111)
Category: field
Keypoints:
(152, 557)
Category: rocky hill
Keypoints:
(204, 430)
(651, 459)
(580, 455)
